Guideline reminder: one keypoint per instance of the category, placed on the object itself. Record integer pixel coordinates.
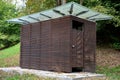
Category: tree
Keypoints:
(63, 1)
(58, 2)
(9, 33)
(81, 2)
(39, 5)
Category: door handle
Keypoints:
(73, 46)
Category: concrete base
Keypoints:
(56, 75)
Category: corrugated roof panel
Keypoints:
(64, 8)
(87, 14)
(15, 20)
(51, 14)
(71, 8)
(27, 19)
(100, 17)
(78, 9)
(35, 16)
(43, 18)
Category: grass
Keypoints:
(113, 73)
(10, 56)
(9, 52)
(10, 61)
(108, 63)
(16, 76)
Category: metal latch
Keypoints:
(73, 46)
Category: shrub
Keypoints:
(116, 46)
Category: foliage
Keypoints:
(9, 33)
(114, 9)
(38, 5)
(73, 0)
(116, 46)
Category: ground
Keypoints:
(107, 59)
(108, 62)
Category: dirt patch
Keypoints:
(10, 61)
(107, 57)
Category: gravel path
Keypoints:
(59, 76)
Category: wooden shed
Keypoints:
(59, 39)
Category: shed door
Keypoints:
(77, 44)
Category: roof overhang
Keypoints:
(71, 8)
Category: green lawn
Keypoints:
(10, 56)
(9, 52)
(107, 62)
(113, 73)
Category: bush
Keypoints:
(116, 46)
(9, 33)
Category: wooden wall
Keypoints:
(89, 44)
(47, 45)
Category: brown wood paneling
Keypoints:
(60, 44)
(47, 45)
(89, 46)
(45, 56)
(25, 47)
(77, 47)
(35, 45)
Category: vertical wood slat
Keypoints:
(45, 57)
(25, 46)
(35, 45)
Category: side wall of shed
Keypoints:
(89, 46)
(25, 47)
(46, 45)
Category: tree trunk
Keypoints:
(81, 2)
(60, 2)
(63, 1)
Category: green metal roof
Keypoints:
(71, 8)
